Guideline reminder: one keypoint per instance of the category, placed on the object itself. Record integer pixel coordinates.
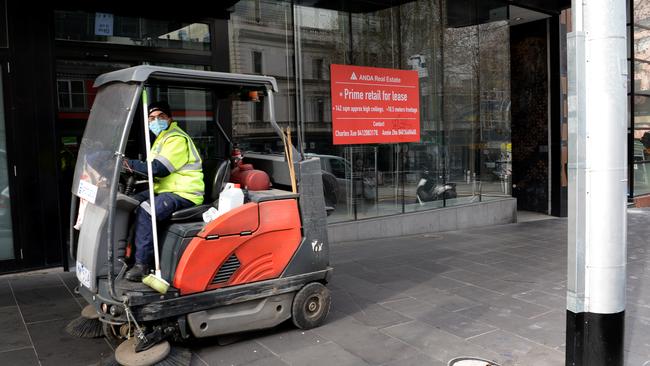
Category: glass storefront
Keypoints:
(464, 151)
(460, 52)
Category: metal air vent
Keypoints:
(227, 269)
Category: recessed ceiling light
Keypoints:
(519, 18)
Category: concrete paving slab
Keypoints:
(56, 347)
(289, 339)
(323, 355)
(13, 334)
(437, 343)
(22, 357)
(240, 353)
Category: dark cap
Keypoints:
(162, 106)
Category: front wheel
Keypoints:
(311, 306)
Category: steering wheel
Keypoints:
(129, 178)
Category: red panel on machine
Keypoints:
(262, 255)
(241, 219)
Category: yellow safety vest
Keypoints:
(176, 151)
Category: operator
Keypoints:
(178, 182)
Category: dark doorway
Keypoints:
(530, 115)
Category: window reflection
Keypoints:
(6, 236)
(117, 29)
(640, 159)
(194, 112)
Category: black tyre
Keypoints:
(311, 306)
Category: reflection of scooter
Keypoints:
(427, 189)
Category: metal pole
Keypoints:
(152, 201)
(597, 70)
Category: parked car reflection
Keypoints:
(338, 178)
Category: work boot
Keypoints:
(137, 272)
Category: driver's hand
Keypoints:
(126, 166)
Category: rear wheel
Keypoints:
(311, 306)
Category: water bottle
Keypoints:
(231, 197)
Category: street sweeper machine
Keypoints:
(218, 270)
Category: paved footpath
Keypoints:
(496, 292)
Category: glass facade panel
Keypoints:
(376, 43)
(640, 100)
(261, 42)
(116, 29)
(6, 232)
(461, 111)
(641, 160)
(495, 156)
(424, 162)
(323, 37)
(642, 77)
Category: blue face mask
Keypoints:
(158, 125)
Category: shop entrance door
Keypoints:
(530, 116)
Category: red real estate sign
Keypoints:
(372, 105)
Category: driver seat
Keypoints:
(216, 173)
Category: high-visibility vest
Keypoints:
(176, 151)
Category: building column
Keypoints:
(597, 183)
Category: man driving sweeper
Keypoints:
(178, 182)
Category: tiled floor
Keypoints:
(496, 292)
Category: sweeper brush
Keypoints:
(87, 325)
(161, 354)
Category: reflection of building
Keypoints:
(640, 123)
(474, 105)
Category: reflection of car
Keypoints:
(339, 169)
